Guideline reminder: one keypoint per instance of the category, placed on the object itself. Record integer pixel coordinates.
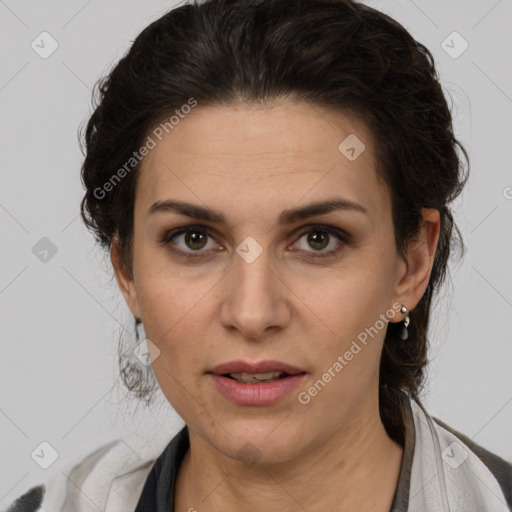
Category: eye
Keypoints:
(193, 237)
(319, 237)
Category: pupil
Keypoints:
(194, 237)
(315, 241)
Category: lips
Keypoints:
(239, 381)
(245, 383)
(258, 367)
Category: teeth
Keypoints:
(255, 377)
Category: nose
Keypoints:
(255, 298)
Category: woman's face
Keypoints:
(267, 282)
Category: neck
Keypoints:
(357, 468)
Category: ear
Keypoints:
(124, 278)
(414, 280)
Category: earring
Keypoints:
(405, 333)
(138, 322)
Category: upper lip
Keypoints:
(257, 367)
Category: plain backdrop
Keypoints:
(61, 317)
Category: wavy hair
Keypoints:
(338, 54)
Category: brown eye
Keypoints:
(319, 237)
(195, 239)
(191, 241)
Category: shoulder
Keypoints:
(446, 469)
(111, 476)
(500, 468)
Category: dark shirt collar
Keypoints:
(159, 489)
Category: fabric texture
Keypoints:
(442, 471)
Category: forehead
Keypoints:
(276, 154)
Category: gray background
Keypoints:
(61, 317)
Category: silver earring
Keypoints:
(405, 333)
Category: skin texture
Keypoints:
(250, 163)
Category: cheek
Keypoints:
(173, 309)
(171, 321)
(351, 325)
(345, 302)
(164, 296)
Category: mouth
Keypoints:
(263, 383)
(258, 378)
(262, 371)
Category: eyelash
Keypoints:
(344, 238)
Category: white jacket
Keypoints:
(442, 471)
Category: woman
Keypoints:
(272, 180)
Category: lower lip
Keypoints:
(256, 394)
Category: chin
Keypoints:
(254, 441)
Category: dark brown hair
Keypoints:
(337, 54)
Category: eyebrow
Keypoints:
(286, 217)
